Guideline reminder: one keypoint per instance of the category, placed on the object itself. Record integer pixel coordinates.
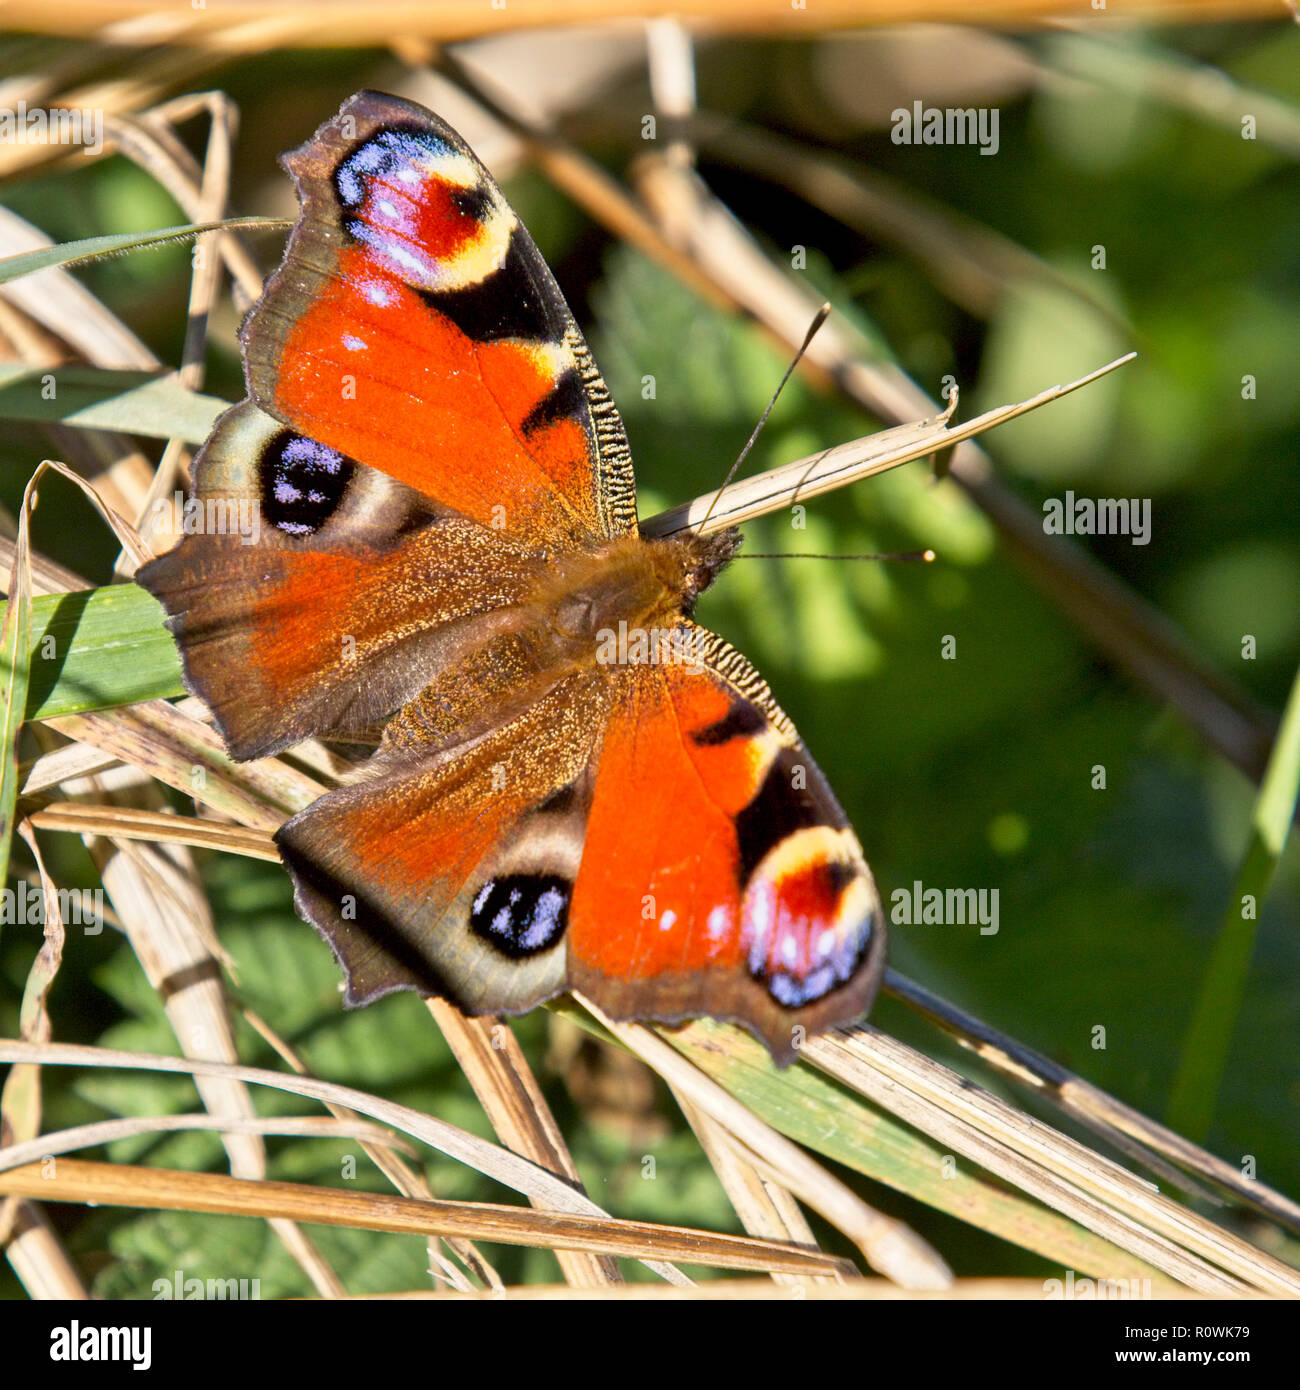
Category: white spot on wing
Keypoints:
(719, 924)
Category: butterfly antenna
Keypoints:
(820, 318)
(914, 556)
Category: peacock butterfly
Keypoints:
(577, 787)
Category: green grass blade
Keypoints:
(96, 247)
(94, 650)
(15, 647)
(1209, 1036)
(91, 398)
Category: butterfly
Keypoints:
(577, 787)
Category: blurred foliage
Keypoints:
(974, 772)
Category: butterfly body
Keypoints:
(577, 787)
(567, 624)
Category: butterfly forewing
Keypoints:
(415, 325)
(719, 874)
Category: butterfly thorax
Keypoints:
(631, 580)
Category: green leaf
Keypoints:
(91, 398)
(96, 247)
(93, 650)
(1209, 1036)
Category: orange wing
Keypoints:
(415, 326)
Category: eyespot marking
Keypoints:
(303, 483)
(810, 916)
(521, 914)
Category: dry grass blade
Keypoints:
(128, 823)
(20, 1098)
(1104, 1114)
(188, 756)
(490, 1159)
(251, 26)
(15, 655)
(1065, 1174)
(103, 1184)
(886, 1244)
(122, 529)
(38, 1259)
(856, 1290)
(849, 463)
(64, 1141)
(31, 1245)
(495, 1065)
(60, 764)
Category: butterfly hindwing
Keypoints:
(453, 875)
(414, 325)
